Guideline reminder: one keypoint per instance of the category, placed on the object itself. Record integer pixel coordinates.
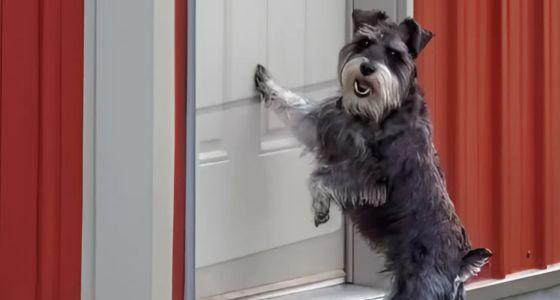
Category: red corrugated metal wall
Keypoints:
(492, 79)
(178, 285)
(41, 67)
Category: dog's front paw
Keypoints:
(321, 218)
(262, 83)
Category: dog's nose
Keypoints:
(367, 68)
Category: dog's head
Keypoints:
(377, 67)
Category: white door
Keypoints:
(254, 223)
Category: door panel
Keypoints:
(285, 51)
(252, 193)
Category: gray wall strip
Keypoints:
(124, 149)
(88, 201)
(191, 159)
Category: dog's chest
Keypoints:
(341, 140)
(351, 183)
(346, 166)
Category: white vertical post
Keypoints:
(164, 158)
(129, 149)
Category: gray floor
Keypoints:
(355, 292)
(338, 292)
(549, 294)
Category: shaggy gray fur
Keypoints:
(375, 159)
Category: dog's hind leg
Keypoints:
(291, 108)
(321, 200)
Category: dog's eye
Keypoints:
(393, 53)
(364, 43)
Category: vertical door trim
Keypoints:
(163, 148)
(88, 210)
(184, 214)
(191, 159)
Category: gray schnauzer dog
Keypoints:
(375, 159)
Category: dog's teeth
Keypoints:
(359, 91)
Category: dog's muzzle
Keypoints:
(363, 88)
(368, 88)
(359, 69)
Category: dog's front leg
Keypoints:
(291, 108)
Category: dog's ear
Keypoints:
(472, 263)
(414, 36)
(369, 17)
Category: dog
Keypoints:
(376, 161)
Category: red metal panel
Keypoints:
(71, 83)
(49, 194)
(178, 286)
(41, 149)
(551, 136)
(19, 147)
(489, 79)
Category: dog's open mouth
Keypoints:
(362, 88)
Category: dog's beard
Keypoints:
(383, 95)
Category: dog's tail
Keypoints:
(472, 263)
